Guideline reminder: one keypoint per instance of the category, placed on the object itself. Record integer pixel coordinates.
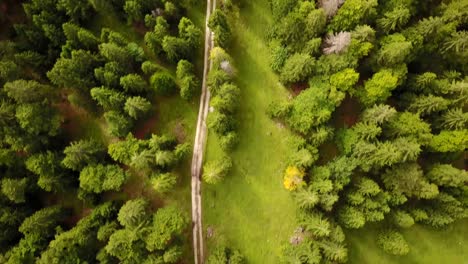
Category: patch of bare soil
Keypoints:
(144, 129)
(348, 113)
(297, 88)
(297, 237)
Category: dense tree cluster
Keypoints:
(401, 62)
(155, 157)
(58, 201)
(224, 92)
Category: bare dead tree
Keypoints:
(331, 6)
(336, 43)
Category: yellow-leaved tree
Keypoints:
(293, 178)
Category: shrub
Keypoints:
(297, 68)
(163, 83)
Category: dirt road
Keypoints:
(199, 144)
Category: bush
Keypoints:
(221, 123)
(163, 83)
(149, 67)
(393, 242)
(162, 183)
(216, 78)
(214, 171)
(188, 86)
(186, 78)
(118, 124)
(229, 141)
(219, 24)
(133, 83)
(297, 68)
(279, 109)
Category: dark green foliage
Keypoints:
(54, 55)
(125, 245)
(168, 223)
(107, 230)
(37, 119)
(15, 189)
(219, 24)
(110, 74)
(78, 244)
(100, 178)
(226, 99)
(42, 222)
(24, 92)
(186, 78)
(189, 33)
(114, 52)
(447, 175)
(297, 68)
(175, 48)
(82, 153)
(75, 72)
(162, 83)
(154, 39)
(48, 167)
(393, 242)
(133, 213)
(118, 124)
(77, 10)
(107, 98)
(137, 107)
(409, 125)
(394, 50)
(408, 179)
(352, 13)
(216, 78)
(221, 123)
(133, 83)
(310, 108)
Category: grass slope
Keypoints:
(250, 210)
(430, 246)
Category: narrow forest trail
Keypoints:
(199, 143)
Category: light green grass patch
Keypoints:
(427, 245)
(250, 210)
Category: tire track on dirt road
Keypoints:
(199, 143)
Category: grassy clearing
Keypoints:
(250, 210)
(427, 245)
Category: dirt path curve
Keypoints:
(199, 144)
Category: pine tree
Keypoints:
(137, 106)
